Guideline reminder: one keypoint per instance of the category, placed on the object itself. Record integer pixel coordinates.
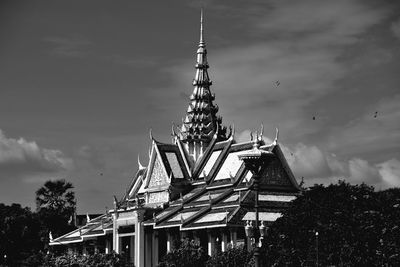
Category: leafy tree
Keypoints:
(189, 254)
(67, 260)
(55, 202)
(356, 227)
(19, 237)
(233, 257)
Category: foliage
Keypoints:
(233, 257)
(56, 204)
(19, 237)
(356, 227)
(189, 254)
(96, 260)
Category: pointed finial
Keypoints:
(276, 136)
(149, 152)
(115, 202)
(87, 217)
(251, 135)
(202, 43)
(262, 132)
(151, 134)
(232, 131)
(173, 133)
(141, 167)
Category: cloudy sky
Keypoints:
(81, 83)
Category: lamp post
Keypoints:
(256, 161)
(316, 246)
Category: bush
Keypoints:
(189, 254)
(233, 257)
(97, 260)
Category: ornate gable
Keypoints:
(275, 175)
(158, 176)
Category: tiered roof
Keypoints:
(199, 181)
(221, 191)
(99, 226)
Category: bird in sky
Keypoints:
(313, 118)
(277, 83)
(376, 114)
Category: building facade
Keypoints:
(196, 187)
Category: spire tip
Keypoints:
(202, 43)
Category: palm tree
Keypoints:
(55, 204)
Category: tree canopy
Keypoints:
(356, 227)
(19, 233)
(56, 204)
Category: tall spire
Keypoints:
(201, 122)
(201, 43)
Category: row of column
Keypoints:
(211, 240)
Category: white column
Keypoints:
(139, 244)
(169, 242)
(211, 244)
(224, 242)
(116, 246)
(233, 237)
(108, 246)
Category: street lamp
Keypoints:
(316, 246)
(256, 161)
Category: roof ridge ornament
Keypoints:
(173, 133)
(261, 132)
(141, 167)
(232, 131)
(151, 134)
(276, 136)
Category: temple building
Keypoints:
(196, 187)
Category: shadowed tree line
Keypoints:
(25, 234)
(356, 227)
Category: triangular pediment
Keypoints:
(275, 175)
(158, 175)
(278, 174)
